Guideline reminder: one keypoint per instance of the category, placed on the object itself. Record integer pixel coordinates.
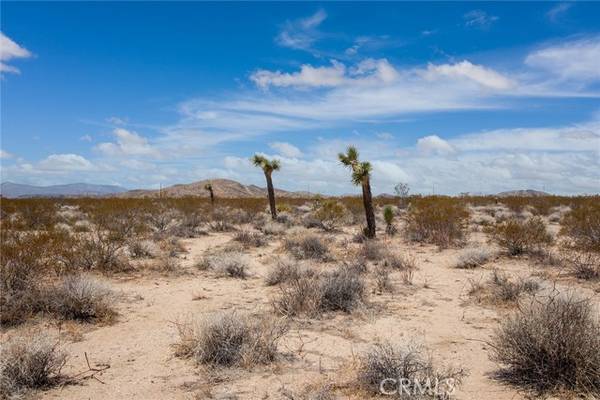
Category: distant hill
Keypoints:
(223, 188)
(15, 190)
(523, 193)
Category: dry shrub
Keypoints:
(286, 270)
(331, 214)
(250, 239)
(382, 280)
(400, 262)
(500, 289)
(307, 246)
(473, 257)
(373, 250)
(406, 373)
(441, 221)
(81, 298)
(340, 290)
(551, 346)
(228, 339)
(29, 362)
(226, 263)
(141, 249)
(582, 225)
(273, 228)
(519, 237)
(168, 266)
(582, 264)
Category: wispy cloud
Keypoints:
(10, 50)
(479, 19)
(558, 11)
(302, 33)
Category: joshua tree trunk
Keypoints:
(271, 192)
(212, 197)
(368, 204)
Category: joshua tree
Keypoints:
(209, 187)
(361, 174)
(268, 166)
(388, 217)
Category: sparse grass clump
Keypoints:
(373, 250)
(473, 257)
(228, 339)
(29, 362)
(307, 246)
(518, 237)
(441, 221)
(551, 346)
(285, 270)
(501, 290)
(405, 373)
(232, 264)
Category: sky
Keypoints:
(448, 97)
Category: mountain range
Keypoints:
(15, 190)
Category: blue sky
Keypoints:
(477, 97)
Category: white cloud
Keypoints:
(302, 33)
(479, 19)
(65, 162)
(556, 12)
(308, 76)
(128, 144)
(385, 136)
(286, 149)
(116, 120)
(577, 59)
(5, 154)
(86, 138)
(8, 51)
(434, 144)
(486, 77)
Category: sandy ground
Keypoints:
(138, 347)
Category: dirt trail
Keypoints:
(142, 366)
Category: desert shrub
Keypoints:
(303, 246)
(582, 225)
(404, 371)
(37, 214)
(438, 220)
(162, 219)
(373, 250)
(227, 263)
(273, 228)
(519, 237)
(331, 214)
(81, 298)
(500, 289)
(473, 257)
(340, 290)
(141, 249)
(284, 271)
(582, 264)
(551, 346)
(227, 339)
(167, 265)
(401, 262)
(29, 362)
(250, 239)
(382, 280)
(321, 391)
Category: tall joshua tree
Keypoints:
(209, 187)
(361, 175)
(268, 166)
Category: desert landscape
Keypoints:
(178, 297)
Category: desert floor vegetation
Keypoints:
(181, 298)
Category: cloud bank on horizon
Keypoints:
(511, 115)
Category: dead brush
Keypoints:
(382, 280)
(250, 239)
(226, 263)
(29, 362)
(407, 372)
(501, 290)
(286, 270)
(551, 346)
(81, 298)
(340, 290)
(228, 339)
(582, 264)
(307, 246)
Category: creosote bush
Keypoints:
(518, 237)
(582, 226)
(29, 362)
(228, 339)
(551, 346)
(437, 220)
(406, 373)
(331, 214)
